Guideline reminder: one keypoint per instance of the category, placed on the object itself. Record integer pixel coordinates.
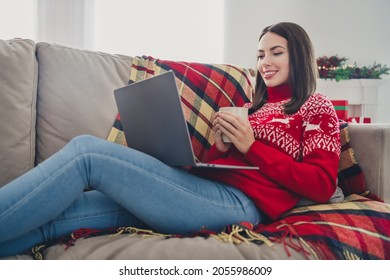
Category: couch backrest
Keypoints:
(75, 94)
(18, 89)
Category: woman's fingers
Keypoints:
(239, 131)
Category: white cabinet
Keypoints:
(362, 95)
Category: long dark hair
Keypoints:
(303, 67)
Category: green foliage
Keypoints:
(334, 67)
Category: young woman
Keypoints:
(291, 135)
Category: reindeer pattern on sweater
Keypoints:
(314, 126)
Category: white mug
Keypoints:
(239, 111)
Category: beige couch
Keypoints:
(51, 93)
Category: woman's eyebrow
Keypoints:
(273, 48)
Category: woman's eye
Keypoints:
(260, 56)
(278, 53)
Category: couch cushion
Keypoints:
(135, 247)
(371, 143)
(18, 83)
(75, 94)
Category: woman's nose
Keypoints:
(266, 61)
(262, 64)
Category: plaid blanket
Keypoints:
(358, 228)
(203, 89)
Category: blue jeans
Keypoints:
(130, 188)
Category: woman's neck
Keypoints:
(280, 92)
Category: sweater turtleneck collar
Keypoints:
(280, 92)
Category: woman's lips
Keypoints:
(269, 74)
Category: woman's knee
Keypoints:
(84, 139)
(86, 143)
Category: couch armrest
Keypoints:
(371, 143)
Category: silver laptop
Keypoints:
(153, 121)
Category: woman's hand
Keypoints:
(221, 146)
(239, 131)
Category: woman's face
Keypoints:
(273, 59)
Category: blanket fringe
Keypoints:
(234, 234)
(351, 256)
(290, 238)
(131, 231)
(241, 234)
(36, 252)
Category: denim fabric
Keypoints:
(129, 188)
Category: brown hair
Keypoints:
(303, 67)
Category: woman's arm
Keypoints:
(313, 178)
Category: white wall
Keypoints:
(170, 29)
(357, 29)
(17, 19)
(66, 22)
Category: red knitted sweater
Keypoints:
(297, 154)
